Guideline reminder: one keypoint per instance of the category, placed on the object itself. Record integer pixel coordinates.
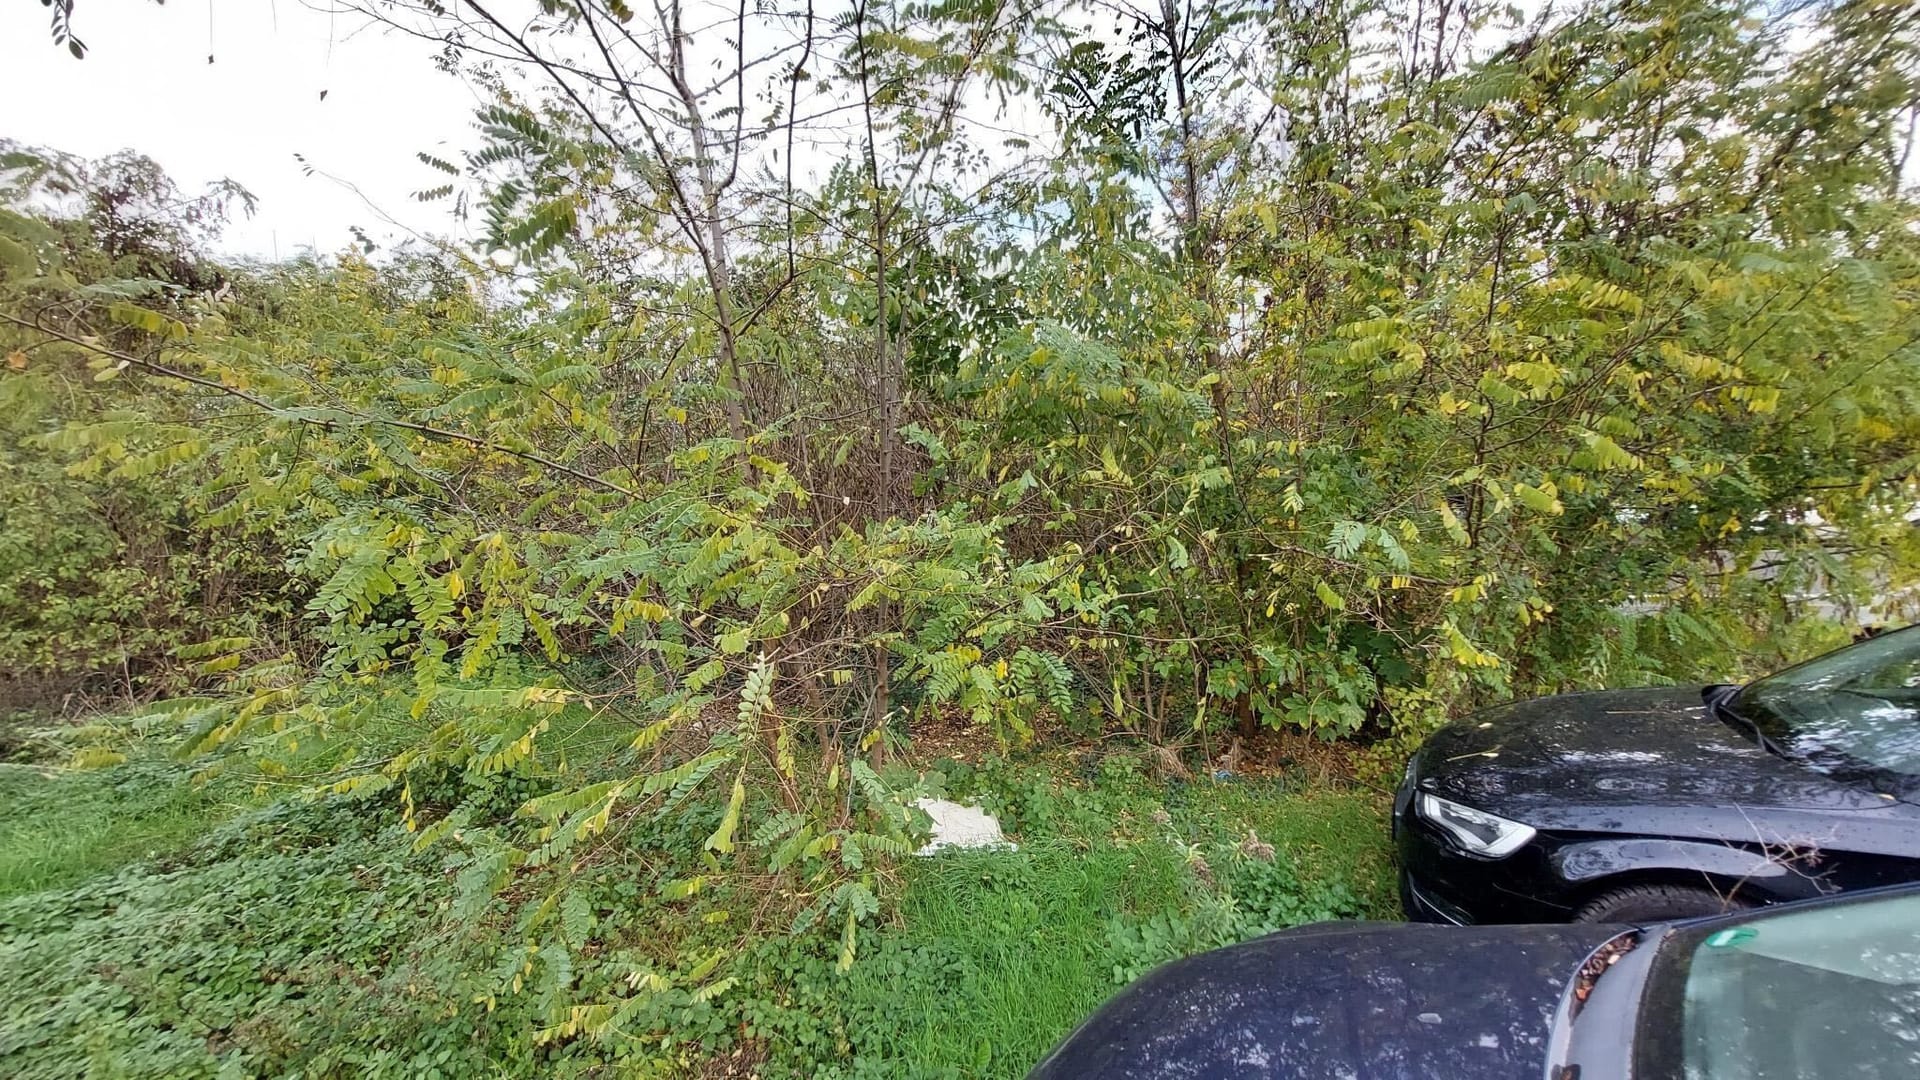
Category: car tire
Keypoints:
(1656, 903)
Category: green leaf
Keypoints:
(16, 257)
(722, 839)
(1346, 538)
(1328, 596)
(1177, 558)
(847, 940)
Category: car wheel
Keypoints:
(1656, 903)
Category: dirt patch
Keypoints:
(950, 735)
(1276, 753)
(939, 733)
(741, 1062)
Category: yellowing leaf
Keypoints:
(1464, 651)
(682, 888)
(97, 757)
(1541, 499)
(151, 322)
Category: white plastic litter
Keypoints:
(956, 825)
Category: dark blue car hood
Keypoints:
(1605, 761)
(1359, 1001)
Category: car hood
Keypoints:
(1592, 761)
(1373, 1000)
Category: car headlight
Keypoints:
(1475, 830)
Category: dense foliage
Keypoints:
(1328, 369)
(104, 574)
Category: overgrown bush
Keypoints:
(1331, 369)
(106, 572)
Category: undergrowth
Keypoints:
(154, 929)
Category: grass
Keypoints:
(209, 908)
(58, 828)
(1024, 938)
(995, 956)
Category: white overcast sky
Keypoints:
(146, 85)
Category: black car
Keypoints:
(1664, 803)
(1829, 988)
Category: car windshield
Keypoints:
(1832, 990)
(1851, 712)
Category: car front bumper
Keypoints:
(1439, 883)
(1420, 905)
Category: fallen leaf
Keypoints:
(17, 360)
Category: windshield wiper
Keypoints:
(1759, 736)
(1718, 699)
